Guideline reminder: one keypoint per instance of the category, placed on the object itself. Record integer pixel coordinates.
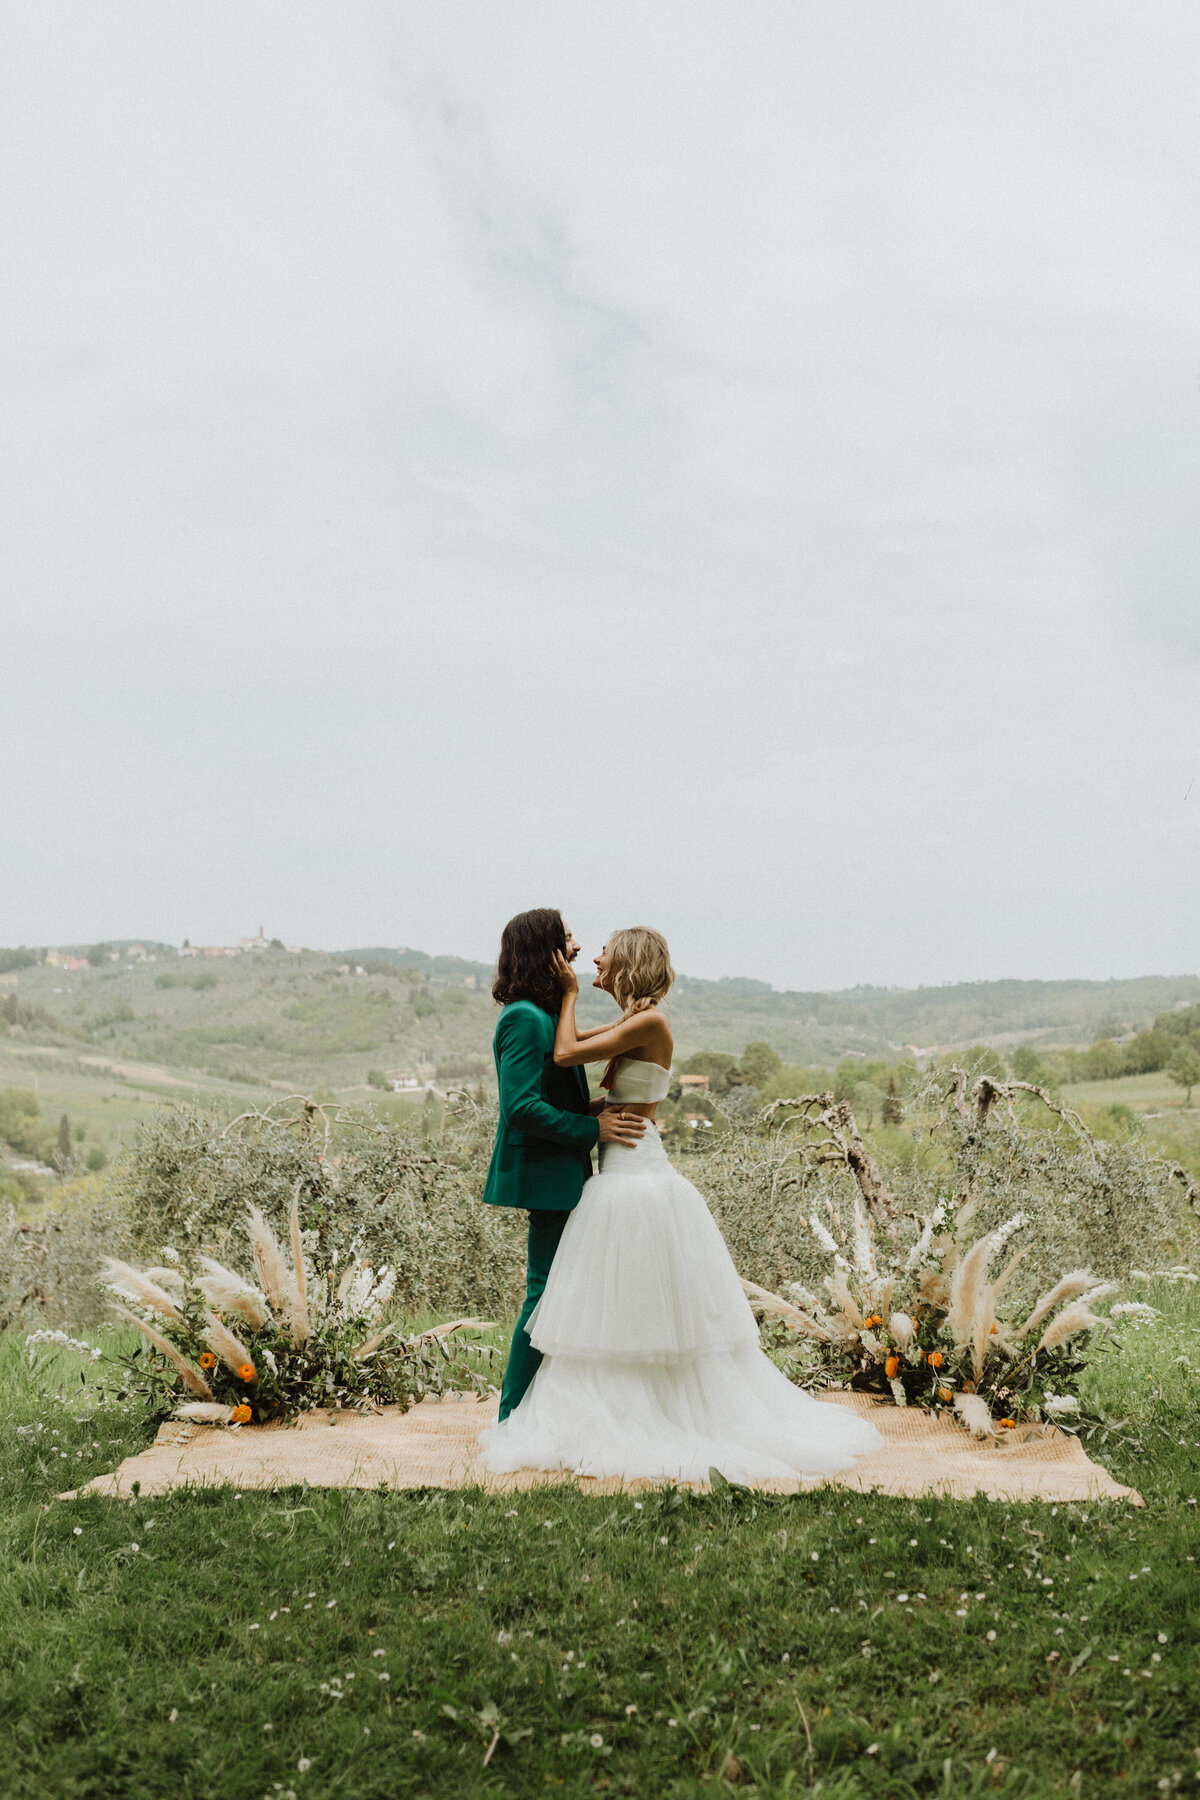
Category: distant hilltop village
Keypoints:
(244, 946)
(138, 953)
(438, 970)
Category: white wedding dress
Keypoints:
(651, 1359)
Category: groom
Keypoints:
(548, 1124)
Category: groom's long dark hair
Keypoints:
(524, 970)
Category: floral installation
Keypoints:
(932, 1317)
(925, 1326)
(223, 1348)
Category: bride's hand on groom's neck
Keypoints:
(564, 974)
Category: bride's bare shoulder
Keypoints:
(656, 1034)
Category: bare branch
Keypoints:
(843, 1144)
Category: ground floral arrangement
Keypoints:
(927, 1316)
(229, 1349)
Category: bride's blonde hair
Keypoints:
(639, 968)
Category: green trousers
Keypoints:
(545, 1229)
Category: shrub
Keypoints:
(22, 1126)
(373, 1187)
(48, 1263)
(1104, 1204)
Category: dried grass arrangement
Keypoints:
(929, 1328)
(230, 1349)
(927, 1308)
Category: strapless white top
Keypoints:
(640, 1082)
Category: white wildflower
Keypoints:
(860, 1238)
(1003, 1232)
(918, 1252)
(1134, 1312)
(383, 1290)
(64, 1342)
(823, 1236)
(1057, 1406)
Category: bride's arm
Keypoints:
(572, 1046)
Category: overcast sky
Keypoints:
(731, 467)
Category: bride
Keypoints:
(651, 1363)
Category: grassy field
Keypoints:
(232, 1646)
(1170, 1124)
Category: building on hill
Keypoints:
(694, 1083)
(59, 959)
(261, 942)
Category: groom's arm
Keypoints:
(521, 1059)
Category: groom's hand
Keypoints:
(621, 1128)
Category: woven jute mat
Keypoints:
(436, 1445)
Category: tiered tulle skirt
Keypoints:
(651, 1360)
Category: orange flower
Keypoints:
(936, 1359)
(891, 1366)
(1008, 1424)
(874, 1319)
(968, 1387)
(991, 1327)
(246, 1372)
(945, 1396)
(207, 1359)
(241, 1415)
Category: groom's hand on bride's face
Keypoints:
(621, 1128)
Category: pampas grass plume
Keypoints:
(1068, 1287)
(169, 1278)
(1070, 1321)
(774, 1306)
(966, 1282)
(192, 1377)
(206, 1412)
(121, 1275)
(845, 1299)
(222, 1340)
(268, 1260)
(972, 1409)
(982, 1320)
(227, 1292)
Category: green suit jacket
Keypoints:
(542, 1155)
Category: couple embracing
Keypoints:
(636, 1352)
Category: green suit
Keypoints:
(541, 1158)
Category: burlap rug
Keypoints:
(435, 1445)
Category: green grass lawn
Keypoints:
(1154, 1091)
(1172, 1127)
(227, 1645)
